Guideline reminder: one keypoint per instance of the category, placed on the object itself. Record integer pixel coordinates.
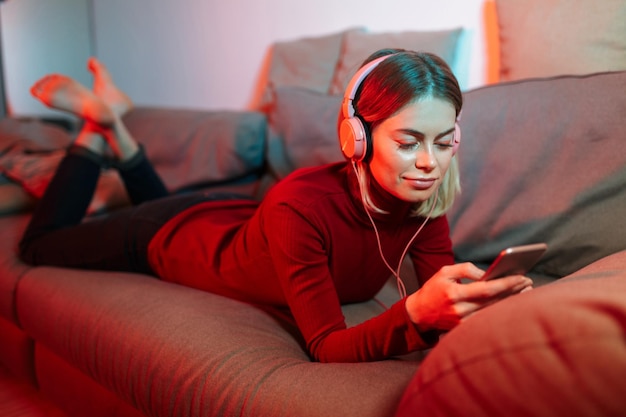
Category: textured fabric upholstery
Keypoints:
(559, 350)
(173, 351)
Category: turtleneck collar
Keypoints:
(397, 210)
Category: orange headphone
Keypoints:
(354, 136)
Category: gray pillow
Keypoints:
(541, 38)
(543, 160)
(308, 62)
(303, 129)
(358, 45)
(190, 147)
(30, 152)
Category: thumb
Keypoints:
(473, 272)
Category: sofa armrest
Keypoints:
(557, 350)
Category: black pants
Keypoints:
(58, 234)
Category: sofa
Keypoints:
(543, 159)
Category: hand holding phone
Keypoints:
(516, 260)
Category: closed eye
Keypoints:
(447, 142)
(443, 141)
(409, 146)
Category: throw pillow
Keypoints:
(30, 153)
(30, 135)
(306, 62)
(34, 172)
(303, 130)
(543, 160)
(195, 147)
(358, 45)
(541, 38)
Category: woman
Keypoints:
(322, 237)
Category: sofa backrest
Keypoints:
(544, 160)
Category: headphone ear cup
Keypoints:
(354, 139)
(457, 138)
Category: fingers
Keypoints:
(444, 300)
(459, 271)
(471, 297)
(498, 287)
(478, 296)
(479, 289)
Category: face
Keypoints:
(413, 149)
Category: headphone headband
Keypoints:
(354, 136)
(354, 84)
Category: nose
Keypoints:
(425, 158)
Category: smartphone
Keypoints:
(516, 260)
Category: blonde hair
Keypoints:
(403, 78)
(442, 200)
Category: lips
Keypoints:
(421, 183)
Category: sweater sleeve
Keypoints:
(301, 260)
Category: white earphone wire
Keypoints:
(396, 273)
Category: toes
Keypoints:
(36, 88)
(92, 64)
(39, 86)
(95, 66)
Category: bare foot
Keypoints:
(105, 88)
(63, 93)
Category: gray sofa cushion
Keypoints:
(174, 351)
(189, 147)
(543, 160)
(302, 130)
(11, 268)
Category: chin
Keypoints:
(416, 197)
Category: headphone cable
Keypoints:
(399, 283)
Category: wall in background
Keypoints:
(40, 37)
(204, 54)
(3, 104)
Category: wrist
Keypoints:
(412, 306)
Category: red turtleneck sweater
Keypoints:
(308, 246)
